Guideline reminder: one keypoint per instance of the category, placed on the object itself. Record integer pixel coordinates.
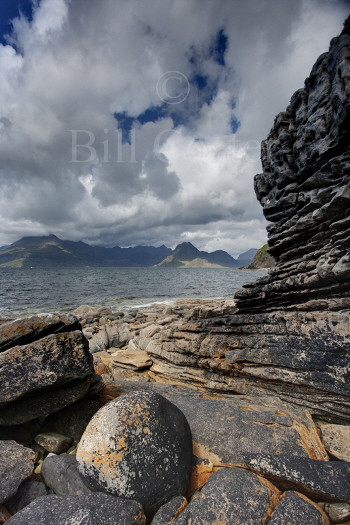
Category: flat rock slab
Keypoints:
(138, 446)
(297, 509)
(231, 496)
(336, 439)
(28, 329)
(94, 509)
(225, 427)
(321, 480)
(130, 358)
(52, 361)
(16, 464)
(60, 474)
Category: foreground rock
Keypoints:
(94, 509)
(227, 498)
(137, 447)
(60, 474)
(295, 509)
(319, 480)
(16, 464)
(225, 428)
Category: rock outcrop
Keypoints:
(289, 332)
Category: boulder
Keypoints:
(231, 496)
(47, 363)
(297, 509)
(224, 428)
(168, 513)
(16, 464)
(29, 329)
(53, 442)
(60, 474)
(27, 492)
(320, 480)
(89, 509)
(138, 446)
(336, 439)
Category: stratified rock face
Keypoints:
(305, 193)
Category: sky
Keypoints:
(140, 122)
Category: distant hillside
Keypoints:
(186, 255)
(262, 259)
(246, 258)
(51, 252)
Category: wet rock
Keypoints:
(168, 513)
(338, 512)
(87, 509)
(52, 361)
(297, 509)
(60, 474)
(16, 464)
(231, 496)
(138, 446)
(336, 439)
(27, 492)
(53, 442)
(320, 480)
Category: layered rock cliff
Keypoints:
(290, 333)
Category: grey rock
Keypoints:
(296, 509)
(72, 420)
(28, 329)
(60, 473)
(168, 513)
(27, 492)
(338, 512)
(52, 361)
(53, 442)
(336, 439)
(231, 496)
(320, 480)
(91, 509)
(138, 446)
(16, 464)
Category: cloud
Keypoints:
(140, 123)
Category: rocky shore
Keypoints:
(207, 412)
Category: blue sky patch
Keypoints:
(11, 9)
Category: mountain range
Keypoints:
(51, 252)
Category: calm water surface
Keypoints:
(34, 290)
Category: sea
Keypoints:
(26, 291)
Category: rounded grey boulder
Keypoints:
(139, 447)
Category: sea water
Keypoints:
(35, 290)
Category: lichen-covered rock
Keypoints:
(16, 464)
(168, 513)
(60, 474)
(336, 439)
(320, 480)
(89, 509)
(52, 361)
(139, 447)
(297, 509)
(29, 329)
(231, 496)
